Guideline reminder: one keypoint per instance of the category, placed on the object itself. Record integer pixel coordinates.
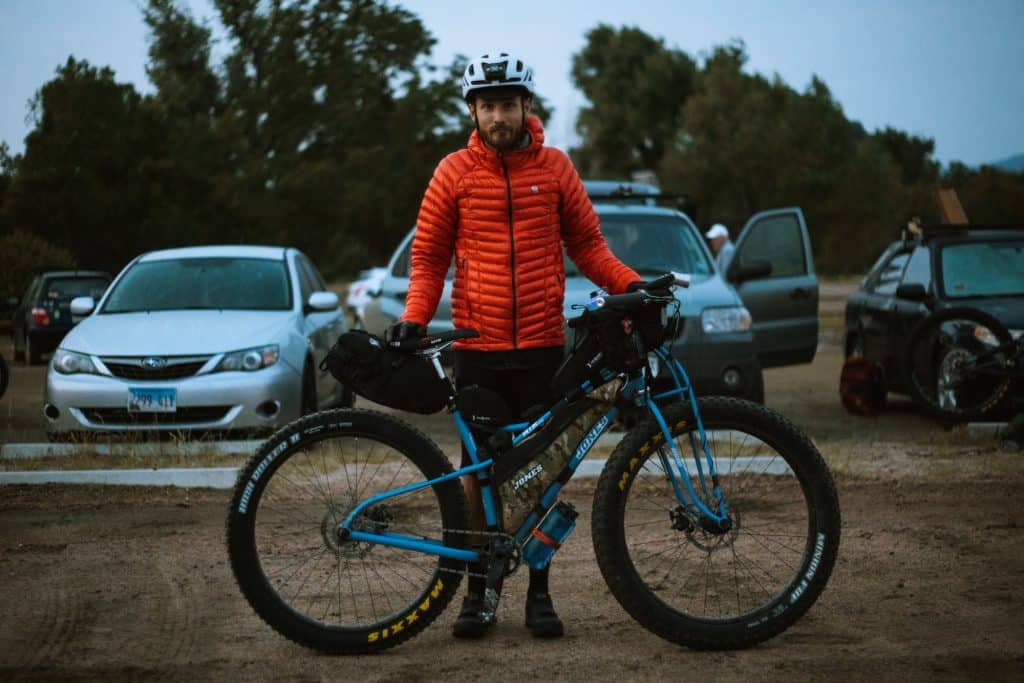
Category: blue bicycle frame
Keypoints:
(635, 390)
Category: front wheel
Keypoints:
(956, 364)
(304, 578)
(709, 586)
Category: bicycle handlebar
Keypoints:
(606, 305)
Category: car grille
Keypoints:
(121, 416)
(134, 368)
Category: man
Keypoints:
(504, 206)
(721, 245)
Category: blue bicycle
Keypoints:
(715, 521)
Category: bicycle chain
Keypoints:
(488, 534)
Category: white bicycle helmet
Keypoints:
(496, 70)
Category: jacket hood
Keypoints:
(533, 126)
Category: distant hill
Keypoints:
(1014, 164)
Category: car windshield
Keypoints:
(65, 289)
(978, 269)
(653, 245)
(202, 283)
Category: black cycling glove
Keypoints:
(405, 329)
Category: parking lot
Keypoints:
(122, 582)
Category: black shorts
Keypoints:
(521, 378)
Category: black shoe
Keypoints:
(541, 618)
(470, 624)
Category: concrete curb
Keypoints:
(41, 450)
(199, 477)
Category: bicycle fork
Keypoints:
(714, 521)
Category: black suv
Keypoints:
(43, 316)
(930, 270)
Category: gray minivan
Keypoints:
(762, 313)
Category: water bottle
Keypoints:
(549, 535)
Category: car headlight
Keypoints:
(71, 362)
(248, 360)
(729, 319)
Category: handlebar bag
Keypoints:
(392, 378)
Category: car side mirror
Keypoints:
(322, 301)
(752, 270)
(913, 292)
(81, 306)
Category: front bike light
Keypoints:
(72, 363)
(248, 360)
(725, 319)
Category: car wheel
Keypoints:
(32, 353)
(308, 404)
(19, 354)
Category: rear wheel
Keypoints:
(710, 586)
(956, 364)
(312, 584)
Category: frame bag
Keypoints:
(387, 376)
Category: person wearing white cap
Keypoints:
(721, 245)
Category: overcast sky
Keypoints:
(950, 70)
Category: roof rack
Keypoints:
(915, 230)
(625, 192)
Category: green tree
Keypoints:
(636, 88)
(749, 144)
(989, 195)
(81, 183)
(24, 256)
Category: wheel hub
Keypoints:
(373, 520)
(703, 532)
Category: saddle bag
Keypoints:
(387, 376)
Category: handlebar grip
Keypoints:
(662, 282)
(630, 300)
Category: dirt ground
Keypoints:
(113, 583)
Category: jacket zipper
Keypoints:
(512, 245)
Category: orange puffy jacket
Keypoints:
(505, 218)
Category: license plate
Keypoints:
(153, 400)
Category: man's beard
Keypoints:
(504, 137)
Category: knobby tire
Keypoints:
(712, 590)
(323, 592)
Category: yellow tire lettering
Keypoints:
(373, 637)
(412, 616)
(437, 589)
(633, 462)
(396, 627)
(623, 480)
(425, 605)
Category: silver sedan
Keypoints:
(199, 338)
